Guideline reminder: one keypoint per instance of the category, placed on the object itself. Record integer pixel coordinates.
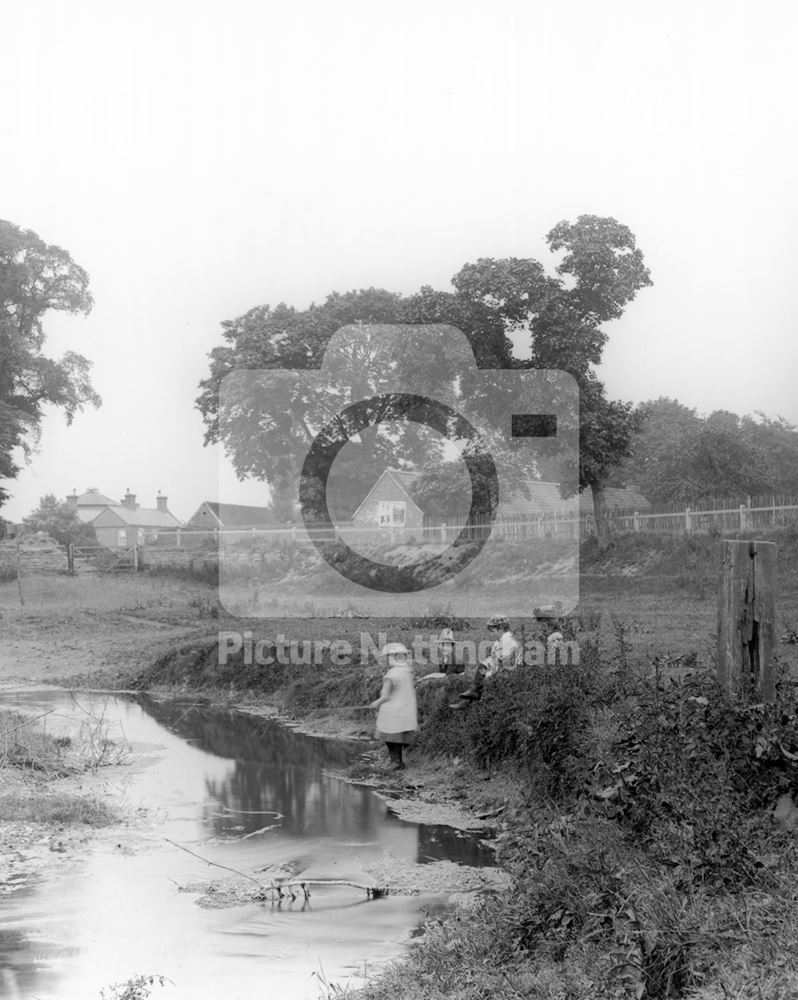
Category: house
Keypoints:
(89, 504)
(123, 523)
(212, 516)
(388, 506)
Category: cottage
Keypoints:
(388, 507)
(124, 523)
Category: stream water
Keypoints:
(210, 778)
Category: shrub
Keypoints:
(537, 719)
(694, 772)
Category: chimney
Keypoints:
(129, 500)
(160, 502)
(72, 499)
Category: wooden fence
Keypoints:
(721, 516)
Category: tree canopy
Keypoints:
(35, 278)
(561, 316)
(59, 519)
(679, 455)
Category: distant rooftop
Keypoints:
(93, 498)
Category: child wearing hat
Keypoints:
(397, 715)
(505, 653)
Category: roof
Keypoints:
(403, 479)
(93, 498)
(621, 498)
(538, 497)
(141, 517)
(233, 515)
(545, 497)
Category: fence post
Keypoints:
(19, 573)
(177, 538)
(746, 617)
(743, 519)
(70, 559)
(135, 558)
(636, 521)
(443, 533)
(687, 520)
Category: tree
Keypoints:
(60, 521)
(34, 278)
(600, 272)
(605, 270)
(680, 456)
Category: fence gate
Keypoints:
(100, 559)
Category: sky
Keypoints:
(202, 158)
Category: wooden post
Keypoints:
(19, 573)
(135, 558)
(70, 559)
(687, 520)
(746, 617)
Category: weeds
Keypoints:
(136, 988)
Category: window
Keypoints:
(121, 536)
(391, 513)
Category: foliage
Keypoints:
(694, 772)
(600, 273)
(136, 988)
(34, 278)
(59, 520)
(679, 455)
(536, 719)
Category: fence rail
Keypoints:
(723, 516)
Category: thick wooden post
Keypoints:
(746, 617)
(71, 559)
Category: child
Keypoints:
(505, 653)
(397, 716)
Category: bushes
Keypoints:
(695, 772)
(534, 718)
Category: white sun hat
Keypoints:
(393, 649)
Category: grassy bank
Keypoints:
(648, 821)
(647, 817)
(32, 766)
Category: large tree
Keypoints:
(600, 273)
(35, 278)
(562, 315)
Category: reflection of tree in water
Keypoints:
(275, 770)
(312, 804)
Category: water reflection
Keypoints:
(244, 792)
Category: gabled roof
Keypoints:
(142, 517)
(93, 498)
(403, 480)
(233, 515)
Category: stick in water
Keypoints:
(216, 863)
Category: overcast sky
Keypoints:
(202, 158)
